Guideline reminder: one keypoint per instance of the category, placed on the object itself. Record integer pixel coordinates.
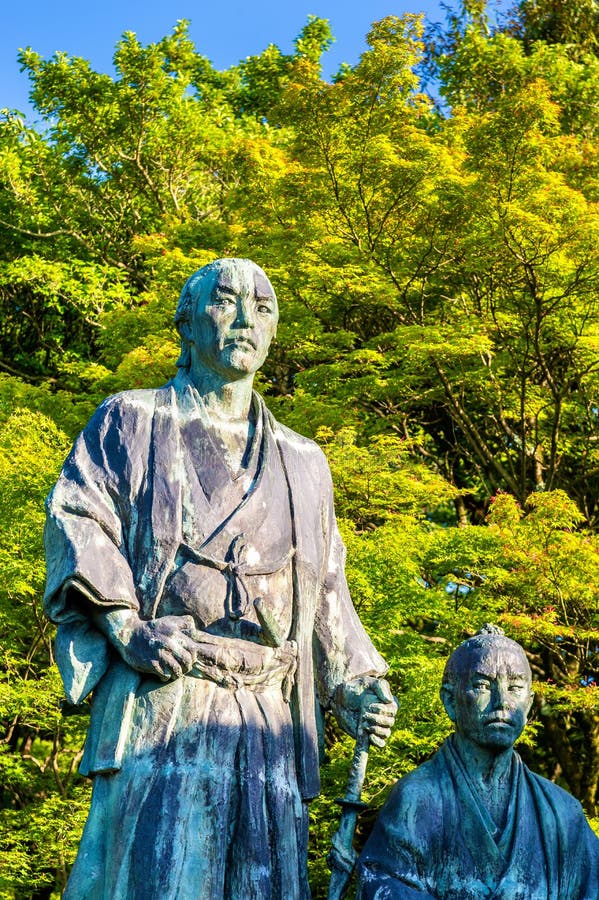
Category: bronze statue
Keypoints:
(474, 822)
(196, 575)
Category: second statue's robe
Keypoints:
(435, 839)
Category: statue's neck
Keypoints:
(227, 405)
(485, 765)
(491, 773)
(228, 401)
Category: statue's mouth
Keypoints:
(240, 342)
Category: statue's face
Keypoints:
(492, 697)
(234, 320)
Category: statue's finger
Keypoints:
(173, 641)
(381, 731)
(379, 726)
(183, 657)
(187, 625)
(157, 668)
(188, 645)
(383, 709)
(169, 664)
(382, 689)
(374, 719)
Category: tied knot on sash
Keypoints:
(238, 596)
(235, 569)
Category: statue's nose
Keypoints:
(244, 317)
(500, 697)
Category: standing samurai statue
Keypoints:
(196, 576)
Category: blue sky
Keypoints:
(224, 31)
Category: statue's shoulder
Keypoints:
(141, 398)
(295, 442)
(412, 815)
(418, 790)
(137, 402)
(125, 418)
(569, 807)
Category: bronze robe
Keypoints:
(145, 515)
(435, 839)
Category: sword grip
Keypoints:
(357, 772)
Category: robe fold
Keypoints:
(434, 838)
(203, 779)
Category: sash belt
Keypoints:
(234, 663)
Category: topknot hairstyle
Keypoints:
(487, 635)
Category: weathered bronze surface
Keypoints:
(474, 822)
(196, 575)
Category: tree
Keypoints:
(459, 257)
(465, 283)
(121, 156)
(43, 803)
(573, 24)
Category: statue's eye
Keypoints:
(223, 300)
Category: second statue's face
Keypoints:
(234, 320)
(492, 699)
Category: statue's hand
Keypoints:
(367, 701)
(163, 647)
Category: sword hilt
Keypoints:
(342, 856)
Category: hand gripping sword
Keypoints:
(342, 856)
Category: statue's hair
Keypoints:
(190, 293)
(487, 635)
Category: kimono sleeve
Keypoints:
(377, 885)
(396, 855)
(343, 651)
(86, 548)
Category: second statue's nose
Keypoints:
(500, 697)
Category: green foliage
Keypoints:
(575, 25)
(42, 810)
(263, 78)
(438, 276)
(460, 254)
(380, 484)
(50, 312)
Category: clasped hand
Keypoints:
(164, 647)
(366, 703)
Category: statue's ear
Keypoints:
(184, 328)
(532, 700)
(448, 699)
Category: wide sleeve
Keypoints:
(85, 541)
(342, 649)
(397, 854)
(377, 885)
(87, 513)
